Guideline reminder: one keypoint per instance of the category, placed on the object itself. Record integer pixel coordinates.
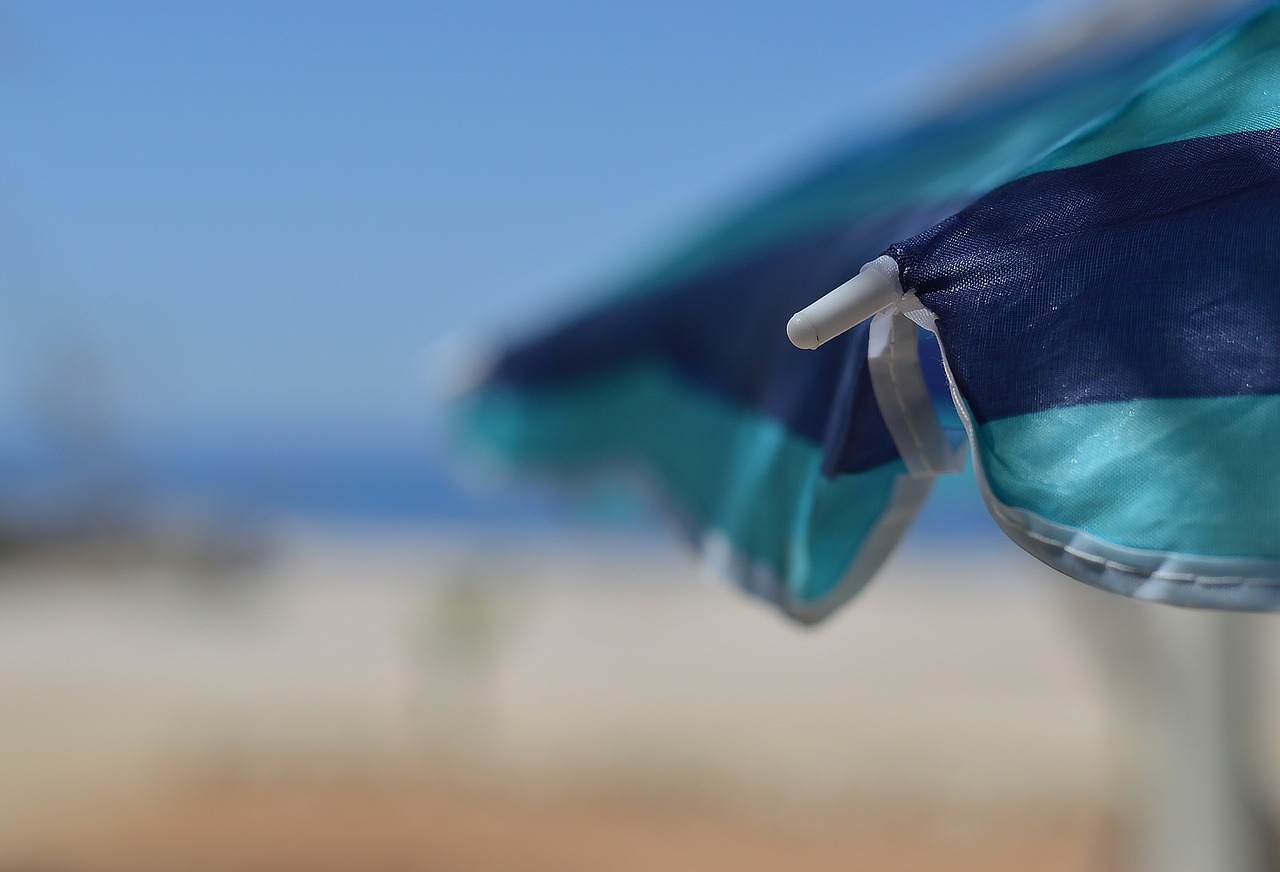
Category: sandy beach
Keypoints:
(437, 705)
(342, 826)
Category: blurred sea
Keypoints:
(399, 483)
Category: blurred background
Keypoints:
(253, 616)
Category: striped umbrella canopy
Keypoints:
(1077, 277)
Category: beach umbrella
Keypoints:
(1074, 275)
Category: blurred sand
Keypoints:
(317, 828)
(376, 705)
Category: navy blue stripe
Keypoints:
(726, 331)
(1152, 273)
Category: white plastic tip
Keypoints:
(801, 332)
(875, 287)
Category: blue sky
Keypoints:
(253, 218)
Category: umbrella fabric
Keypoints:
(796, 472)
(1112, 323)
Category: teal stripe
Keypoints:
(725, 467)
(1195, 476)
(951, 159)
(1231, 84)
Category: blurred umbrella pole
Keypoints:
(1199, 807)
(1187, 692)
